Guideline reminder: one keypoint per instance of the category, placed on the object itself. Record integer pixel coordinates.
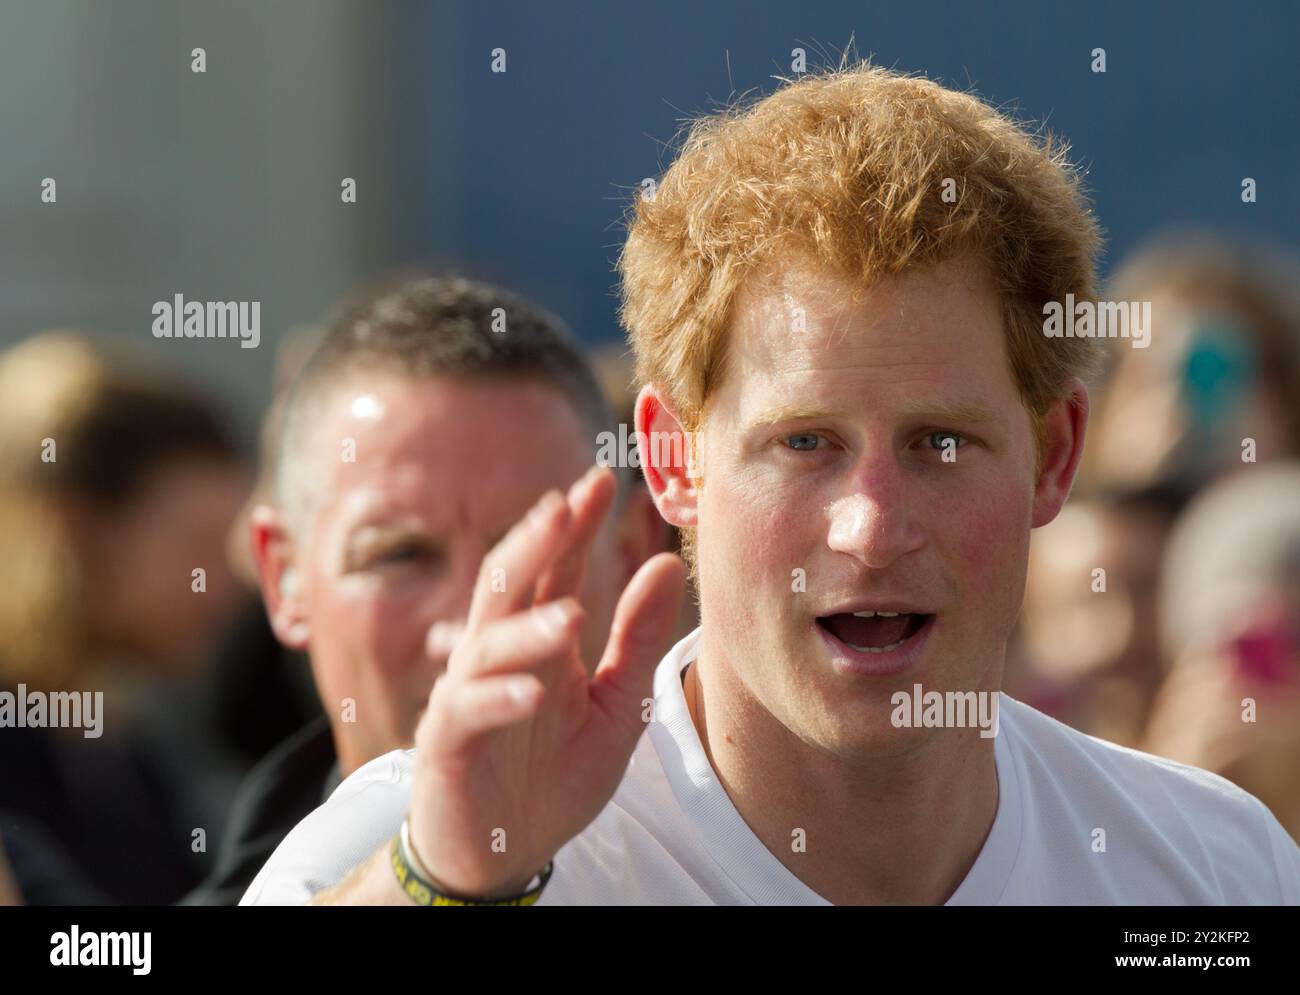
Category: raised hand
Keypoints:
(520, 748)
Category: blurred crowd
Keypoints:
(152, 560)
(1187, 646)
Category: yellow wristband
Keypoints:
(415, 880)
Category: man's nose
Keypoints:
(443, 636)
(458, 591)
(451, 603)
(873, 520)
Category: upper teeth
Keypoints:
(874, 614)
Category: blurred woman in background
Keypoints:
(1223, 366)
(117, 488)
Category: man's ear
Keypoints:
(278, 577)
(1064, 426)
(667, 458)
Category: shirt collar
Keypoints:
(732, 845)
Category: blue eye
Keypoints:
(802, 443)
(937, 440)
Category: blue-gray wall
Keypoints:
(225, 185)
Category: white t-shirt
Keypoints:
(1174, 834)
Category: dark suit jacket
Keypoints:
(289, 783)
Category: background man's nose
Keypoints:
(443, 637)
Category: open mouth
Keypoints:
(874, 631)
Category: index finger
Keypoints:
(508, 575)
(590, 500)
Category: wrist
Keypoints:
(423, 888)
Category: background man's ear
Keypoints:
(642, 531)
(665, 451)
(1064, 426)
(278, 577)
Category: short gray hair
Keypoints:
(441, 326)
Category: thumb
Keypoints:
(639, 636)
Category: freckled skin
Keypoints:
(873, 510)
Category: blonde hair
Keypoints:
(850, 167)
(46, 383)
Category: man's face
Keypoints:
(394, 539)
(826, 492)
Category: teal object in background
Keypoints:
(1219, 370)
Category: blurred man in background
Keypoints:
(430, 419)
